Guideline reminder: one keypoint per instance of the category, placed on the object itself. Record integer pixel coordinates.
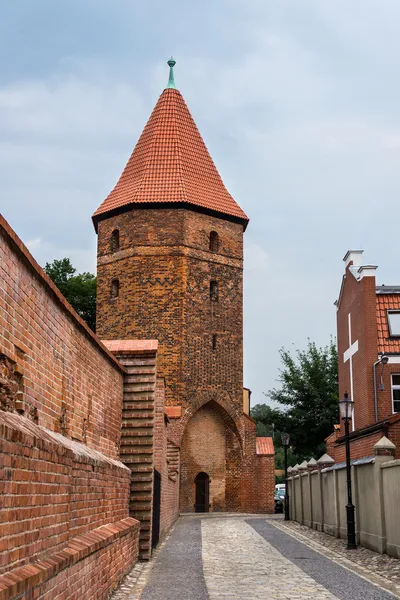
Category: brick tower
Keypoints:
(170, 264)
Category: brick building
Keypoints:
(103, 442)
(170, 267)
(368, 334)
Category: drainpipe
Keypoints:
(375, 390)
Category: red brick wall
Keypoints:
(88, 568)
(204, 449)
(60, 419)
(363, 446)
(69, 380)
(265, 483)
(359, 299)
(95, 576)
(394, 436)
(169, 480)
(53, 489)
(165, 267)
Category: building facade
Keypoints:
(170, 267)
(368, 335)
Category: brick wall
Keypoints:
(359, 299)
(68, 381)
(137, 435)
(55, 490)
(360, 447)
(204, 449)
(65, 493)
(265, 483)
(164, 266)
(167, 463)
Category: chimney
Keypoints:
(366, 271)
(353, 256)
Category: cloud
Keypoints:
(297, 101)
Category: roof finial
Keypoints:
(171, 82)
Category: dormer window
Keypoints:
(115, 288)
(115, 240)
(214, 241)
(394, 322)
(214, 291)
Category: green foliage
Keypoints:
(79, 290)
(309, 394)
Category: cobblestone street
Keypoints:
(221, 557)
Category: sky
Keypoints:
(297, 101)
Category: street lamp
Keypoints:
(285, 438)
(346, 407)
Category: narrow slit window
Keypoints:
(214, 241)
(115, 288)
(214, 291)
(214, 341)
(115, 240)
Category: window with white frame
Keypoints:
(394, 322)
(396, 393)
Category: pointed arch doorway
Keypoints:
(202, 483)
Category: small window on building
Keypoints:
(394, 322)
(214, 291)
(115, 288)
(214, 241)
(396, 393)
(115, 240)
(214, 341)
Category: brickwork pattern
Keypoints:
(52, 489)
(88, 568)
(137, 437)
(60, 419)
(67, 381)
(359, 299)
(165, 267)
(167, 463)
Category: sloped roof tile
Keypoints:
(171, 163)
(265, 445)
(385, 302)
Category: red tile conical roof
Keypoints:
(171, 163)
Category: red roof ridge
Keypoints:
(265, 445)
(171, 164)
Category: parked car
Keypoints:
(279, 501)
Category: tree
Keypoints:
(79, 290)
(265, 417)
(270, 423)
(309, 388)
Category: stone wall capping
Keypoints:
(384, 446)
(325, 460)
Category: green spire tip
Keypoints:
(171, 82)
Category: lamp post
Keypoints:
(346, 412)
(285, 438)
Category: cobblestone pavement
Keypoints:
(246, 557)
(239, 564)
(343, 583)
(385, 565)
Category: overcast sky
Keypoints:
(298, 102)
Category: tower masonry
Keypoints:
(170, 267)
